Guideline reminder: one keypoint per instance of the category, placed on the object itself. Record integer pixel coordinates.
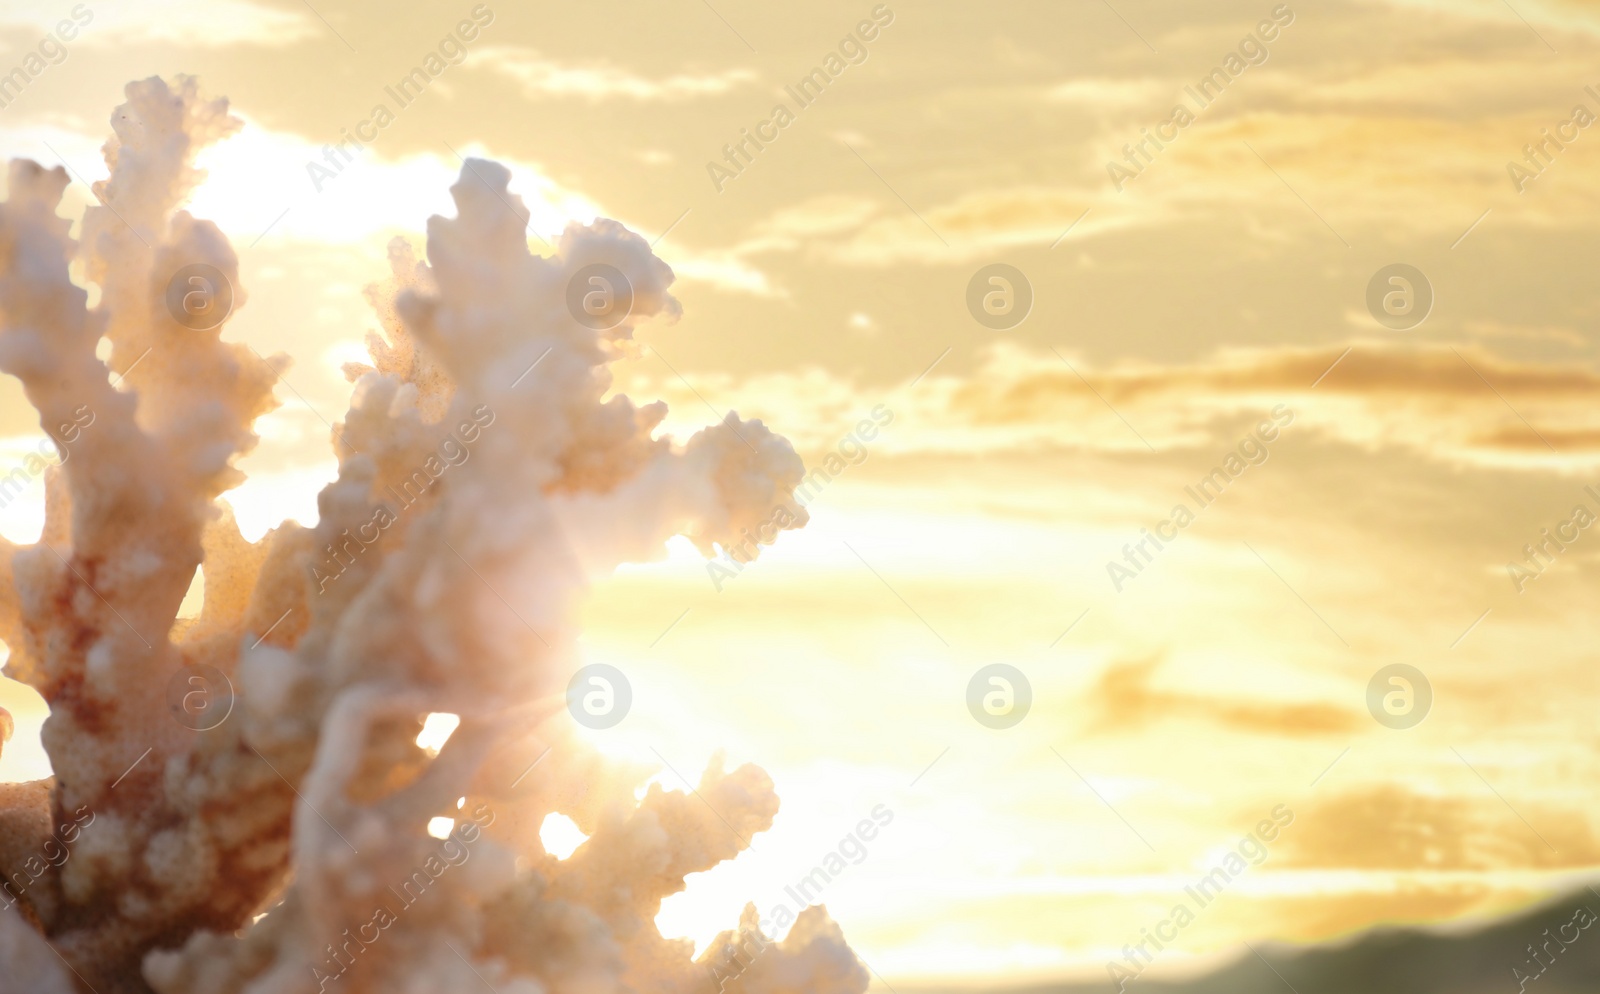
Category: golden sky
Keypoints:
(1183, 295)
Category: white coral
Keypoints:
(483, 479)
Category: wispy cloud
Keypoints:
(174, 22)
(545, 78)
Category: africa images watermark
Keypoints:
(735, 960)
(1536, 158)
(452, 51)
(805, 91)
(850, 451)
(53, 852)
(1582, 918)
(1253, 51)
(1253, 450)
(35, 463)
(454, 850)
(51, 51)
(1253, 847)
(1540, 556)
(455, 450)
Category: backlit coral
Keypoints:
(239, 803)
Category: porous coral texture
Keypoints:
(239, 805)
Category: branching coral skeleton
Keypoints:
(272, 852)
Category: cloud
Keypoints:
(1392, 827)
(785, 230)
(1425, 124)
(1412, 174)
(1559, 333)
(1100, 92)
(881, 233)
(1548, 17)
(1123, 700)
(724, 270)
(1437, 372)
(974, 225)
(173, 22)
(1450, 404)
(542, 78)
(788, 228)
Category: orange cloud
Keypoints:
(1390, 827)
(1123, 699)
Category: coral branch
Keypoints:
(247, 806)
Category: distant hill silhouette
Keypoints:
(1400, 961)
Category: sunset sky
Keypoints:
(1176, 308)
